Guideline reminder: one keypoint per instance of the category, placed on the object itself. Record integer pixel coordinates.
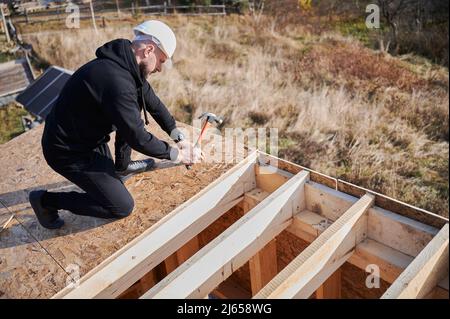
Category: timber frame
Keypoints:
(340, 222)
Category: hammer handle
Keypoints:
(199, 140)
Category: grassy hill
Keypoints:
(341, 108)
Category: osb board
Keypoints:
(26, 269)
(84, 241)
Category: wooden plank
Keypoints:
(188, 250)
(265, 159)
(230, 289)
(396, 206)
(382, 201)
(390, 262)
(140, 287)
(130, 263)
(170, 263)
(401, 233)
(425, 271)
(438, 292)
(323, 257)
(331, 288)
(180, 256)
(308, 226)
(263, 266)
(269, 179)
(253, 198)
(217, 261)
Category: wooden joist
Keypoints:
(263, 266)
(381, 201)
(401, 233)
(308, 226)
(308, 271)
(393, 230)
(331, 288)
(133, 261)
(220, 258)
(425, 271)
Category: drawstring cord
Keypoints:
(143, 106)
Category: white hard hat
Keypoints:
(165, 38)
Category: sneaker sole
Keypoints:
(34, 199)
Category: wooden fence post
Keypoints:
(118, 8)
(8, 39)
(93, 16)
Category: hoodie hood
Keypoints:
(120, 52)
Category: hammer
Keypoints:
(209, 119)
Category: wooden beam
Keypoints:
(140, 287)
(5, 26)
(269, 178)
(137, 258)
(308, 226)
(181, 255)
(331, 288)
(390, 262)
(425, 272)
(323, 257)
(263, 266)
(170, 264)
(220, 258)
(188, 250)
(381, 201)
(401, 233)
(404, 233)
(229, 289)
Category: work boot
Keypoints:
(135, 167)
(48, 218)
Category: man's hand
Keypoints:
(186, 153)
(184, 144)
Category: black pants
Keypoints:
(104, 196)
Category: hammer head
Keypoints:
(211, 118)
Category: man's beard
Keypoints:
(145, 72)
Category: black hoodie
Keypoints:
(107, 94)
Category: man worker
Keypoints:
(108, 94)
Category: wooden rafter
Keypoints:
(220, 258)
(425, 271)
(133, 261)
(323, 257)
